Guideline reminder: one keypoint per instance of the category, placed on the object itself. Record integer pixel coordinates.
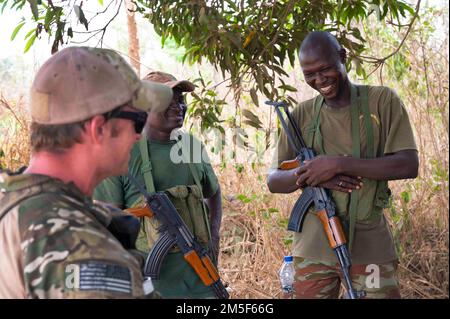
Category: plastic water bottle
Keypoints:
(287, 275)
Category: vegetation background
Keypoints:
(254, 238)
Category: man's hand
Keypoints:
(318, 170)
(343, 183)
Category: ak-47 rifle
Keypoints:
(318, 196)
(175, 232)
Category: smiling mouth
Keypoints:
(326, 89)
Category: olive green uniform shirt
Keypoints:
(373, 243)
(118, 190)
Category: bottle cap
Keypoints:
(288, 258)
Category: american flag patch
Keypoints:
(105, 277)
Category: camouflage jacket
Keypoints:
(54, 243)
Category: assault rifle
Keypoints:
(317, 196)
(175, 232)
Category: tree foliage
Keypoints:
(249, 41)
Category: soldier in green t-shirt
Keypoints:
(354, 167)
(189, 181)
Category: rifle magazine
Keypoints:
(300, 209)
(156, 256)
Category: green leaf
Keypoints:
(29, 43)
(101, 2)
(80, 14)
(254, 96)
(3, 6)
(48, 17)
(34, 9)
(30, 33)
(287, 87)
(16, 30)
(252, 118)
(406, 196)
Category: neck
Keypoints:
(157, 135)
(69, 166)
(343, 98)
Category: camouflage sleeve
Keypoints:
(69, 254)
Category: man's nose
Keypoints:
(320, 78)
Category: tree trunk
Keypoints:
(133, 40)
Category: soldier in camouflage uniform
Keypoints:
(382, 148)
(88, 107)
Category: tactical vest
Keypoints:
(365, 208)
(187, 199)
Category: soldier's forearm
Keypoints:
(401, 165)
(215, 208)
(280, 181)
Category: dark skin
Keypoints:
(323, 65)
(159, 126)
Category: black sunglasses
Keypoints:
(139, 118)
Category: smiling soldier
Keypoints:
(363, 138)
(191, 185)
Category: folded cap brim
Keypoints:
(184, 85)
(152, 96)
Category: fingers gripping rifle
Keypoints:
(318, 196)
(175, 232)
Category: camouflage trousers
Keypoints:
(314, 280)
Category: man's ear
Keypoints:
(96, 128)
(343, 55)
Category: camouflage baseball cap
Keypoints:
(170, 81)
(80, 82)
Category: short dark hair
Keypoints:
(57, 138)
(320, 38)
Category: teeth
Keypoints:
(326, 89)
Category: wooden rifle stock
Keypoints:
(140, 211)
(290, 164)
(317, 196)
(333, 229)
(203, 267)
(175, 231)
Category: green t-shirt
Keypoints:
(373, 243)
(177, 278)
(118, 190)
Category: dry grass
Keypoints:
(14, 146)
(254, 238)
(253, 241)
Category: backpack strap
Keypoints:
(359, 103)
(315, 127)
(146, 168)
(146, 171)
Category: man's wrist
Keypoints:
(339, 164)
